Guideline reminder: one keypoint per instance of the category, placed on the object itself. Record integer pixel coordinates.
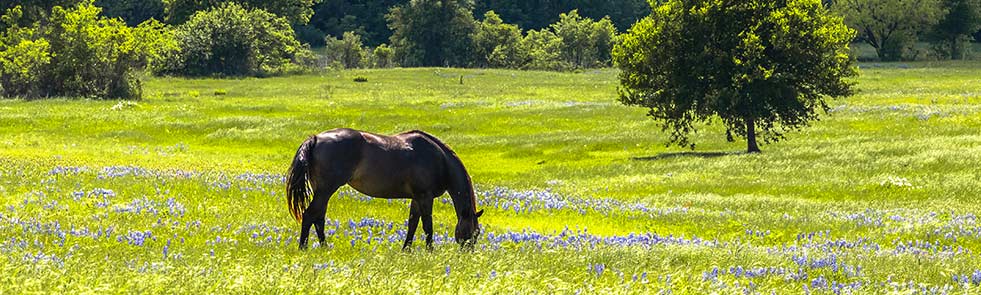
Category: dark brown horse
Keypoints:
(411, 165)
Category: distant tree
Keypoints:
(493, 35)
(585, 43)
(433, 33)
(348, 51)
(889, 26)
(953, 32)
(763, 66)
(295, 11)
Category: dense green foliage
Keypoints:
(133, 12)
(231, 40)
(367, 17)
(182, 191)
(538, 14)
(75, 52)
(295, 11)
(953, 32)
(496, 43)
(762, 64)
(364, 17)
(585, 43)
(432, 33)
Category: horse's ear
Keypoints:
(481, 212)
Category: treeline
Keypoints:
(894, 27)
(97, 48)
(367, 17)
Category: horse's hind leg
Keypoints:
(414, 215)
(315, 215)
(321, 217)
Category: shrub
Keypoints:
(229, 40)
(383, 57)
(360, 79)
(75, 53)
(348, 52)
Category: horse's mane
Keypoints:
(458, 178)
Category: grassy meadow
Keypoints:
(182, 192)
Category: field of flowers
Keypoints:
(183, 192)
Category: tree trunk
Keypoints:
(751, 136)
(955, 51)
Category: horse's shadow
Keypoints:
(672, 155)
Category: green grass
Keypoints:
(895, 164)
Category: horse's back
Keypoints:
(399, 166)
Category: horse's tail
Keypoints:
(298, 193)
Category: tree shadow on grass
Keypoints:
(703, 155)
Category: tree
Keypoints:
(348, 52)
(585, 43)
(493, 35)
(763, 67)
(889, 26)
(953, 31)
(433, 33)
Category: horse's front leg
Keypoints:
(413, 223)
(426, 208)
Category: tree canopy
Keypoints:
(761, 66)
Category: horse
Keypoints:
(410, 165)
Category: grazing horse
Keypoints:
(411, 165)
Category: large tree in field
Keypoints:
(889, 25)
(762, 66)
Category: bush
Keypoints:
(75, 53)
(231, 41)
(383, 57)
(347, 52)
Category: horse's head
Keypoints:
(467, 230)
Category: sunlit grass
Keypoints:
(879, 196)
